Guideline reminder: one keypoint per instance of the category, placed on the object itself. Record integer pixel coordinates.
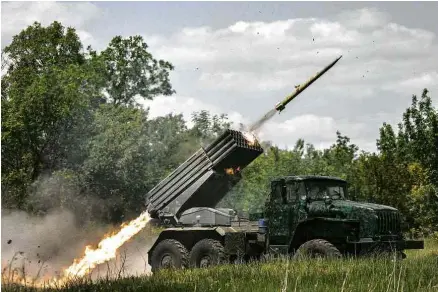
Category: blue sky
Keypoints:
(241, 58)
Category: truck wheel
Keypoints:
(317, 248)
(206, 253)
(169, 253)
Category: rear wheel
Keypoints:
(206, 253)
(169, 254)
(317, 248)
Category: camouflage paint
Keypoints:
(345, 209)
(284, 217)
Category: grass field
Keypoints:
(419, 272)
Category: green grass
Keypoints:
(419, 272)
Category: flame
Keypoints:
(250, 138)
(106, 248)
(229, 171)
(105, 251)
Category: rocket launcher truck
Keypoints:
(304, 216)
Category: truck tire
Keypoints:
(206, 253)
(169, 253)
(317, 248)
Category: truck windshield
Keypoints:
(318, 190)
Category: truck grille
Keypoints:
(388, 222)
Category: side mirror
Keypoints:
(354, 195)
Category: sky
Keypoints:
(241, 58)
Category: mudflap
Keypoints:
(235, 243)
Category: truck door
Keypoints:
(293, 190)
(277, 212)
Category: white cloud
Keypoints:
(163, 105)
(272, 56)
(304, 126)
(185, 105)
(415, 84)
(319, 130)
(18, 15)
(363, 18)
(248, 64)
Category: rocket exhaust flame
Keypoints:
(231, 171)
(106, 248)
(250, 137)
(105, 251)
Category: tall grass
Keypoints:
(419, 272)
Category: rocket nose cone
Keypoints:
(335, 61)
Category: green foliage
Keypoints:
(41, 90)
(130, 70)
(126, 156)
(405, 172)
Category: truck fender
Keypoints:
(333, 230)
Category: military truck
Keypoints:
(303, 215)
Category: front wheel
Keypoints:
(206, 253)
(317, 248)
(169, 254)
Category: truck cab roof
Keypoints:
(308, 177)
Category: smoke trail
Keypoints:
(260, 122)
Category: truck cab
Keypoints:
(315, 211)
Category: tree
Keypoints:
(207, 126)
(126, 156)
(403, 174)
(53, 96)
(44, 86)
(419, 131)
(130, 70)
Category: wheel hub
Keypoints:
(167, 261)
(317, 254)
(205, 262)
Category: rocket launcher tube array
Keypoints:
(202, 181)
(300, 88)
